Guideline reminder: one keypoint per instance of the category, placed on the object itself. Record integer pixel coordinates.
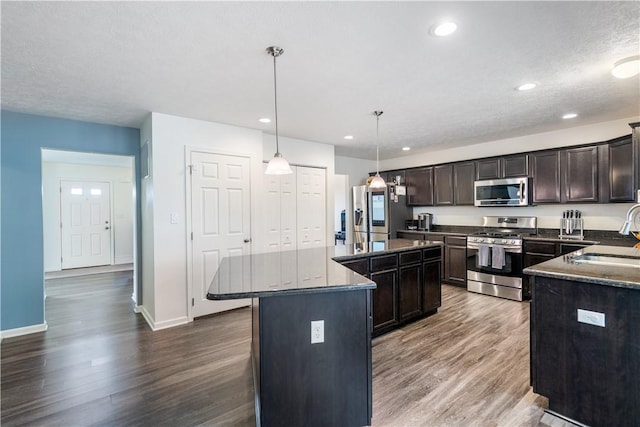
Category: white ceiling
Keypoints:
(114, 62)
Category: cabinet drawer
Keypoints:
(565, 248)
(455, 240)
(410, 236)
(431, 253)
(540, 247)
(360, 266)
(434, 237)
(411, 257)
(385, 262)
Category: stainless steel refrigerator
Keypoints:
(378, 214)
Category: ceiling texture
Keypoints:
(115, 62)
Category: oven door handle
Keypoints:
(507, 249)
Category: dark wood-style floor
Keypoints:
(99, 363)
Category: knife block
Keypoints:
(571, 228)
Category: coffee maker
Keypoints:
(424, 221)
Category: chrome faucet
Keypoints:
(626, 227)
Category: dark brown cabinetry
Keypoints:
(455, 261)
(502, 167)
(443, 184)
(537, 251)
(589, 373)
(419, 184)
(463, 177)
(431, 291)
(545, 169)
(384, 271)
(408, 285)
(580, 174)
(622, 158)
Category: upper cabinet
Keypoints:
(623, 156)
(463, 177)
(502, 167)
(579, 174)
(443, 185)
(601, 172)
(419, 184)
(545, 170)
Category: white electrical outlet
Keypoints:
(591, 317)
(317, 331)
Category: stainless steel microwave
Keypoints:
(502, 192)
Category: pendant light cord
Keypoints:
(378, 113)
(275, 97)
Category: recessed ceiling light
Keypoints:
(570, 116)
(348, 137)
(406, 148)
(526, 86)
(444, 29)
(627, 67)
(264, 120)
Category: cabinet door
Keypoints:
(431, 295)
(488, 168)
(515, 166)
(455, 267)
(385, 299)
(580, 174)
(621, 171)
(410, 286)
(443, 185)
(419, 186)
(545, 168)
(463, 178)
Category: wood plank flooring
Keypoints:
(100, 364)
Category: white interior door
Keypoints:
(279, 212)
(220, 221)
(311, 207)
(85, 223)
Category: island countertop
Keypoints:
(299, 271)
(565, 268)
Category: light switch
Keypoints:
(591, 317)
(174, 218)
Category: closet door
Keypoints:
(311, 206)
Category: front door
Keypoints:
(220, 222)
(85, 223)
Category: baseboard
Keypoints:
(156, 326)
(123, 260)
(9, 333)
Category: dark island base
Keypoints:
(304, 384)
(590, 374)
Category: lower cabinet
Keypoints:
(455, 261)
(408, 285)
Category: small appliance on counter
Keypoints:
(571, 225)
(411, 224)
(424, 221)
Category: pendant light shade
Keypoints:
(278, 165)
(377, 183)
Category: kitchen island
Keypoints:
(311, 330)
(585, 335)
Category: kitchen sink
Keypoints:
(607, 259)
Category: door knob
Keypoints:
(247, 240)
(106, 228)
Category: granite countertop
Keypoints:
(286, 272)
(300, 271)
(610, 275)
(357, 250)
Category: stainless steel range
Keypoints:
(494, 256)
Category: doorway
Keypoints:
(88, 211)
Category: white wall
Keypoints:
(121, 182)
(147, 307)
(165, 289)
(596, 216)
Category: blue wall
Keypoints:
(22, 137)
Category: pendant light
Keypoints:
(377, 182)
(278, 165)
